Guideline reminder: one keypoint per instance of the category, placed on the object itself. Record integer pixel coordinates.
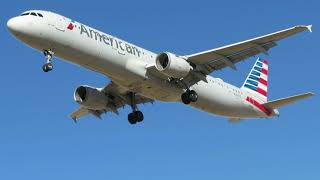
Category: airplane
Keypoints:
(139, 76)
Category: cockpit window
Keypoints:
(32, 13)
(24, 14)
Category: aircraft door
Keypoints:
(60, 23)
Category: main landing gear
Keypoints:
(189, 96)
(136, 115)
(49, 55)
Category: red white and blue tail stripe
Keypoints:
(257, 81)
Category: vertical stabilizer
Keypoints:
(256, 83)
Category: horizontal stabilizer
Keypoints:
(79, 113)
(309, 28)
(285, 101)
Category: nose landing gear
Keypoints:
(49, 55)
(47, 67)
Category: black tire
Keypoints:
(193, 96)
(44, 68)
(139, 116)
(185, 98)
(47, 67)
(132, 118)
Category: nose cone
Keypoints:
(20, 27)
(13, 25)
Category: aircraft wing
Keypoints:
(118, 98)
(228, 56)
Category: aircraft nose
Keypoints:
(13, 25)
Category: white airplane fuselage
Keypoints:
(126, 64)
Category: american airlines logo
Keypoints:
(70, 26)
(122, 47)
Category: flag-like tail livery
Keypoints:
(257, 81)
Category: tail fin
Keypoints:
(257, 81)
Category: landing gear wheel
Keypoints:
(193, 96)
(185, 98)
(47, 67)
(189, 96)
(132, 118)
(139, 116)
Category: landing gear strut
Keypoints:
(136, 115)
(49, 55)
(189, 96)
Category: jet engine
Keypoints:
(90, 97)
(172, 65)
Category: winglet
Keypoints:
(75, 120)
(309, 28)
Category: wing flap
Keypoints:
(285, 101)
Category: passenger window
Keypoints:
(33, 14)
(40, 15)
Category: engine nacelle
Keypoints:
(172, 65)
(91, 98)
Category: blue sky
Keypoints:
(39, 141)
